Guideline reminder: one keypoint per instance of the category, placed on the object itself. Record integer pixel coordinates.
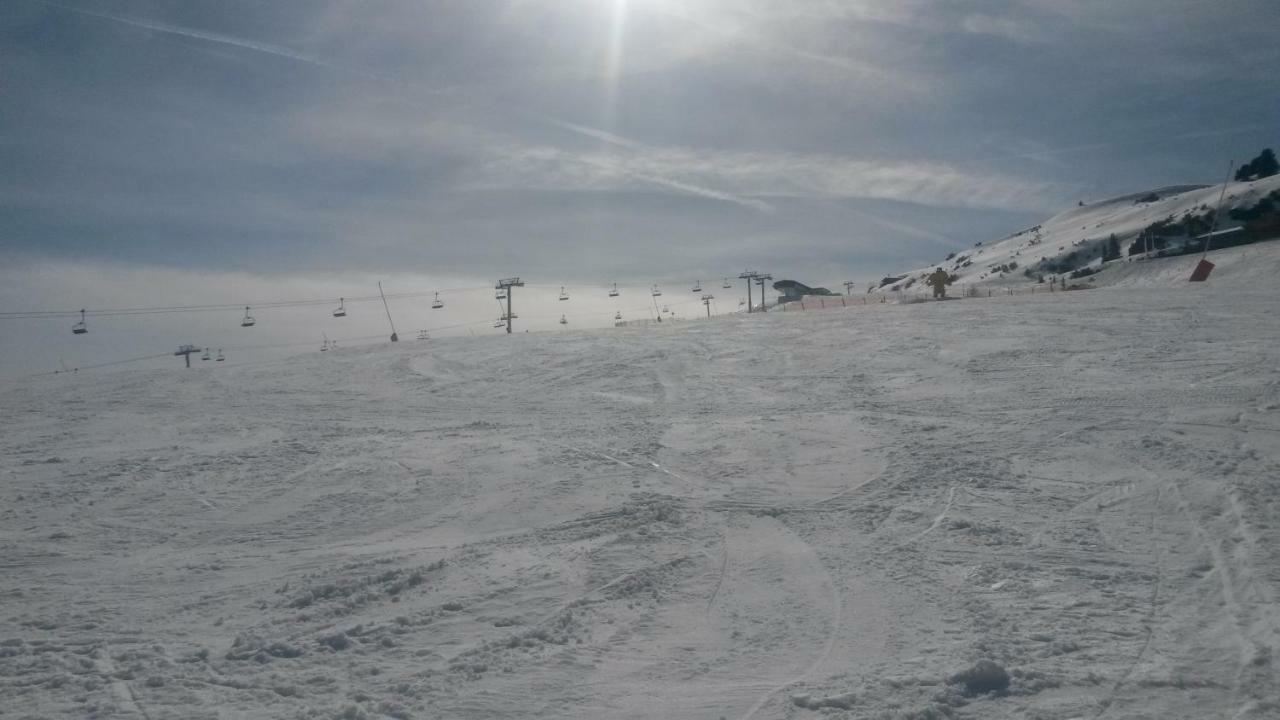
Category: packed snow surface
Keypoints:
(1033, 506)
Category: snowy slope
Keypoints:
(788, 515)
(1089, 226)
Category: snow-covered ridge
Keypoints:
(1088, 227)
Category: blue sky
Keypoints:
(590, 141)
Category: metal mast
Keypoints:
(385, 306)
(749, 275)
(760, 279)
(186, 351)
(506, 284)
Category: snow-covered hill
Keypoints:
(1085, 229)
(787, 515)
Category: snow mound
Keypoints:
(984, 676)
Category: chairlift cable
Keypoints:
(273, 304)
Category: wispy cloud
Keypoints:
(751, 179)
(1051, 155)
(811, 43)
(247, 44)
(264, 48)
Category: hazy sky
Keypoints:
(590, 141)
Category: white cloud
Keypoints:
(751, 178)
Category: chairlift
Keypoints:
(697, 286)
(422, 335)
(324, 346)
(220, 357)
(500, 295)
(617, 315)
(563, 320)
(342, 309)
(437, 303)
(248, 320)
(614, 291)
(666, 309)
(499, 323)
(656, 291)
(205, 356)
(727, 285)
(80, 328)
(563, 295)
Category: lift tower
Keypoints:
(507, 284)
(749, 275)
(186, 351)
(760, 280)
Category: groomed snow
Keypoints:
(790, 515)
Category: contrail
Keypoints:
(702, 191)
(261, 47)
(902, 227)
(659, 180)
(265, 48)
(1192, 135)
(284, 52)
(594, 133)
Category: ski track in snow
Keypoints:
(831, 636)
(748, 517)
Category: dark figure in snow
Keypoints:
(938, 279)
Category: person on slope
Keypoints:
(939, 279)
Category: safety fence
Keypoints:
(903, 297)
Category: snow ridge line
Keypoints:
(1149, 619)
(724, 563)
(675, 562)
(951, 496)
(596, 453)
(837, 618)
(122, 688)
(593, 453)
(1221, 570)
(1244, 613)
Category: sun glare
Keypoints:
(613, 62)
